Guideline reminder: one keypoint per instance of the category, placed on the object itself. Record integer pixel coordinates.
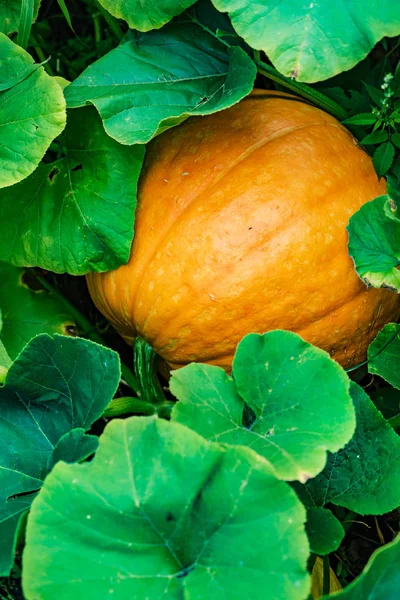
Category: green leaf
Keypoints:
(374, 243)
(325, 532)
(361, 119)
(152, 516)
(380, 579)
(362, 476)
(55, 385)
(32, 113)
(376, 137)
(376, 95)
(76, 214)
(395, 138)
(383, 158)
(73, 446)
(384, 354)
(298, 394)
(305, 39)
(28, 309)
(10, 12)
(145, 15)
(156, 80)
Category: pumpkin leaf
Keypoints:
(298, 394)
(360, 477)
(384, 354)
(305, 40)
(156, 80)
(56, 384)
(28, 309)
(380, 579)
(10, 12)
(161, 528)
(32, 113)
(374, 243)
(73, 446)
(76, 214)
(324, 530)
(145, 15)
(383, 158)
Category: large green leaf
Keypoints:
(363, 477)
(156, 80)
(10, 11)
(32, 113)
(384, 354)
(162, 513)
(28, 309)
(374, 243)
(299, 396)
(146, 14)
(76, 214)
(380, 579)
(306, 40)
(57, 384)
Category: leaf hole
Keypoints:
(53, 174)
(77, 168)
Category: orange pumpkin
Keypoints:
(241, 227)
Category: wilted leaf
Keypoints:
(152, 516)
(317, 580)
(298, 394)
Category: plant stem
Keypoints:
(349, 520)
(326, 576)
(88, 330)
(301, 89)
(97, 28)
(40, 54)
(127, 405)
(111, 22)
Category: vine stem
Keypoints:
(88, 330)
(127, 405)
(326, 576)
(301, 89)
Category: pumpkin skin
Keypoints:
(241, 227)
